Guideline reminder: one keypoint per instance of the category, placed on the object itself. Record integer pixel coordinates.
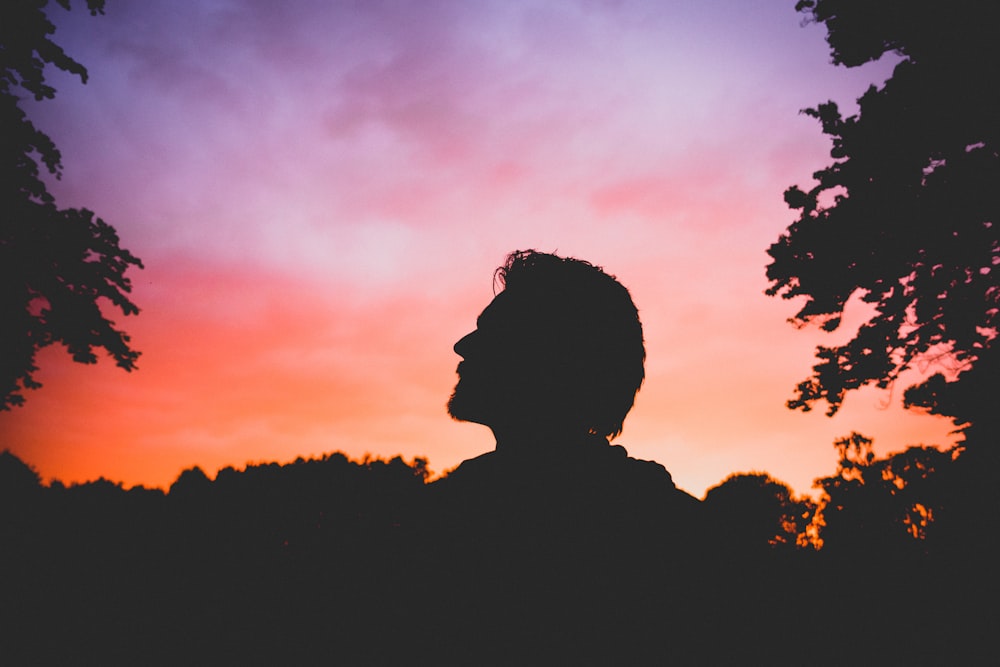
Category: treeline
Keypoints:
(337, 561)
(924, 501)
(265, 565)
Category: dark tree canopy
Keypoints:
(887, 506)
(906, 216)
(754, 511)
(58, 267)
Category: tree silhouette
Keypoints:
(57, 266)
(16, 476)
(888, 506)
(907, 214)
(754, 511)
(191, 483)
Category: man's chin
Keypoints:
(455, 409)
(461, 410)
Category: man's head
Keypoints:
(559, 347)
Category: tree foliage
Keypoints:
(906, 216)
(755, 511)
(57, 266)
(889, 505)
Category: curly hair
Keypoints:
(588, 327)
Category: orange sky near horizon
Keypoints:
(320, 193)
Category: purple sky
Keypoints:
(320, 192)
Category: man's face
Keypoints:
(498, 362)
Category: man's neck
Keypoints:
(538, 444)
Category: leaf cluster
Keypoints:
(906, 215)
(57, 266)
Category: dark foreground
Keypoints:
(336, 562)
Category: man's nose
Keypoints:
(463, 344)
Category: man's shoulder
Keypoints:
(643, 472)
(657, 473)
(597, 465)
(643, 468)
(470, 471)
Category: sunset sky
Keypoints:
(320, 192)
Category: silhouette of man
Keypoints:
(552, 369)
(556, 526)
